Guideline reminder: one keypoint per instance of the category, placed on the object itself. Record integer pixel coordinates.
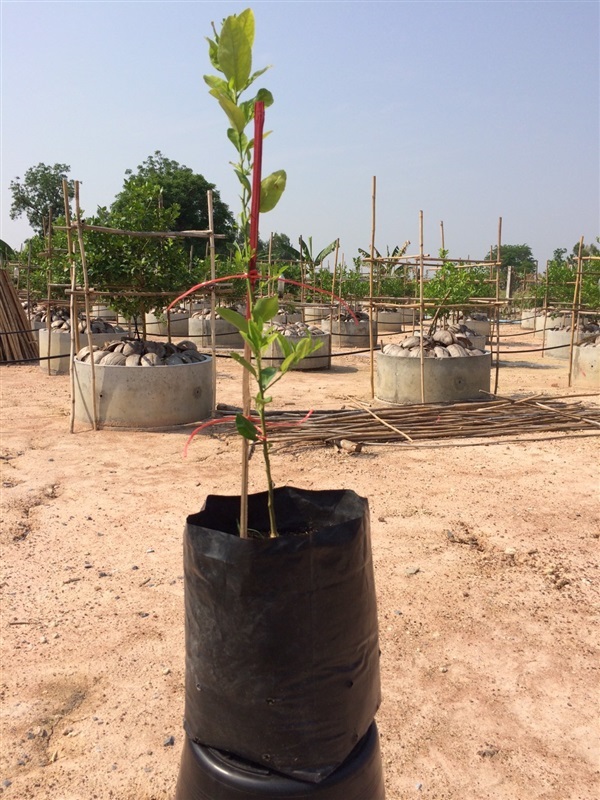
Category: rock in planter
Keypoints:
(320, 359)
(177, 390)
(282, 656)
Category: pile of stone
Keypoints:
(142, 353)
(451, 342)
(60, 320)
(583, 329)
(206, 312)
(297, 329)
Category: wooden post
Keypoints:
(497, 313)
(421, 304)
(371, 355)
(335, 264)
(575, 308)
(213, 275)
(86, 297)
(442, 232)
(72, 301)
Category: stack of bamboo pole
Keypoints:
(428, 421)
(16, 341)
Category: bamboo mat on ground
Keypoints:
(408, 424)
(16, 342)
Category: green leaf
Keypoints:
(265, 308)
(235, 318)
(247, 107)
(243, 179)
(246, 20)
(246, 428)
(257, 74)
(235, 114)
(245, 364)
(285, 345)
(266, 376)
(271, 189)
(216, 83)
(213, 51)
(326, 251)
(235, 49)
(264, 96)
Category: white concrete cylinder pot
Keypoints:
(144, 397)
(390, 321)
(351, 333)
(482, 327)
(447, 380)
(156, 325)
(546, 321)
(559, 338)
(314, 313)
(528, 319)
(104, 312)
(60, 345)
(320, 359)
(226, 334)
(586, 366)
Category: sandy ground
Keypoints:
(486, 558)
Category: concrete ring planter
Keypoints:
(226, 334)
(104, 312)
(157, 325)
(350, 334)
(390, 321)
(321, 359)
(559, 338)
(315, 313)
(528, 319)
(447, 380)
(586, 366)
(482, 327)
(60, 345)
(144, 397)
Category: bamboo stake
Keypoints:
(371, 354)
(72, 303)
(213, 275)
(335, 266)
(421, 305)
(497, 314)
(388, 425)
(49, 279)
(442, 231)
(575, 305)
(86, 299)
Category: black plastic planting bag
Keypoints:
(282, 655)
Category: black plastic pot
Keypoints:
(282, 655)
(208, 774)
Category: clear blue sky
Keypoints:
(466, 110)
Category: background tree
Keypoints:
(517, 256)
(39, 192)
(183, 187)
(120, 263)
